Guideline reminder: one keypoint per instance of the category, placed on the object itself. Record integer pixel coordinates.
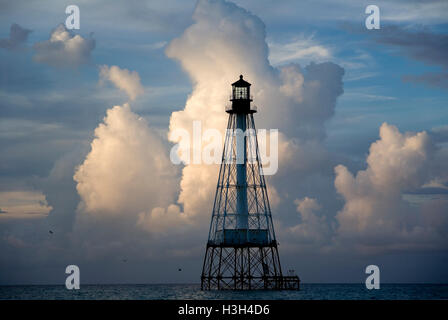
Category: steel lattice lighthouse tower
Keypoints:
(242, 249)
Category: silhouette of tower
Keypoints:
(242, 249)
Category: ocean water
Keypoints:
(193, 292)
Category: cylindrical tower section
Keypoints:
(241, 180)
(241, 109)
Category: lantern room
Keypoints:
(241, 97)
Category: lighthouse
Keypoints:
(242, 250)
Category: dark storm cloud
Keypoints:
(17, 37)
(439, 80)
(420, 44)
(423, 45)
(414, 42)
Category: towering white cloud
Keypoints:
(375, 214)
(64, 49)
(127, 173)
(223, 42)
(127, 170)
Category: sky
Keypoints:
(88, 119)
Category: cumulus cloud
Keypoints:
(64, 49)
(17, 37)
(127, 176)
(123, 79)
(223, 42)
(375, 214)
(127, 170)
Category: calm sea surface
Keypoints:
(192, 292)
